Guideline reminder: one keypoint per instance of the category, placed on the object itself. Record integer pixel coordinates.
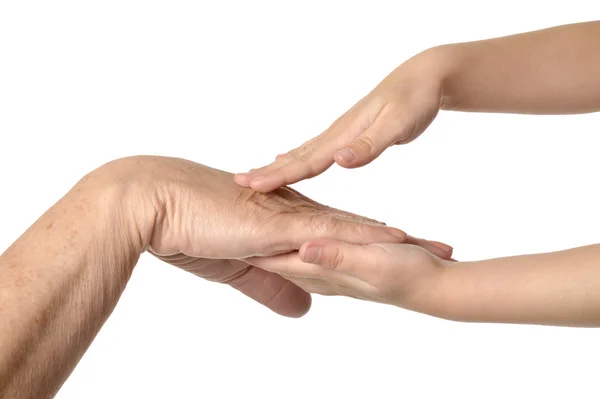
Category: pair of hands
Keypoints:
(65, 274)
(198, 219)
(397, 111)
(276, 245)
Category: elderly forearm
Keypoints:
(551, 71)
(560, 288)
(58, 284)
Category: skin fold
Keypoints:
(551, 71)
(62, 278)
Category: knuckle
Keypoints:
(301, 154)
(366, 143)
(336, 258)
(321, 224)
(309, 170)
(304, 157)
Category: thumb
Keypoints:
(369, 145)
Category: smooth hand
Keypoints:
(397, 111)
(404, 275)
(558, 288)
(525, 73)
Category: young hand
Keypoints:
(524, 73)
(399, 274)
(397, 111)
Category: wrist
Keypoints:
(423, 292)
(128, 188)
(445, 61)
(442, 295)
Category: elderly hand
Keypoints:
(404, 275)
(62, 278)
(198, 219)
(397, 111)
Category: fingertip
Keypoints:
(448, 254)
(242, 179)
(442, 246)
(310, 254)
(345, 157)
(299, 305)
(311, 251)
(292, 301)
(440, 249)
(264, 184)
(397, 234)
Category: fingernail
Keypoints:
(346, 155)
(442, 246)
(397, 233)
(311, 254)
(437, 251)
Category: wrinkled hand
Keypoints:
(197, 218)
(270, 289)
(397, 111)
(399, 274)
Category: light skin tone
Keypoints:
(552, 71)
(62, 278)
(560, 288)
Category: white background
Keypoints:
(231, 84)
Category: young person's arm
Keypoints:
(551, 71)
(560, 288)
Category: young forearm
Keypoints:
(59, 283)
(560, 288)
(551, 71)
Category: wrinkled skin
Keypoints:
(202, 222)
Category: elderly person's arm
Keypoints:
(61, 280)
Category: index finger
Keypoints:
(309, 160)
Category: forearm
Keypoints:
(551, 71)
(560, 288)
(58, 284)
